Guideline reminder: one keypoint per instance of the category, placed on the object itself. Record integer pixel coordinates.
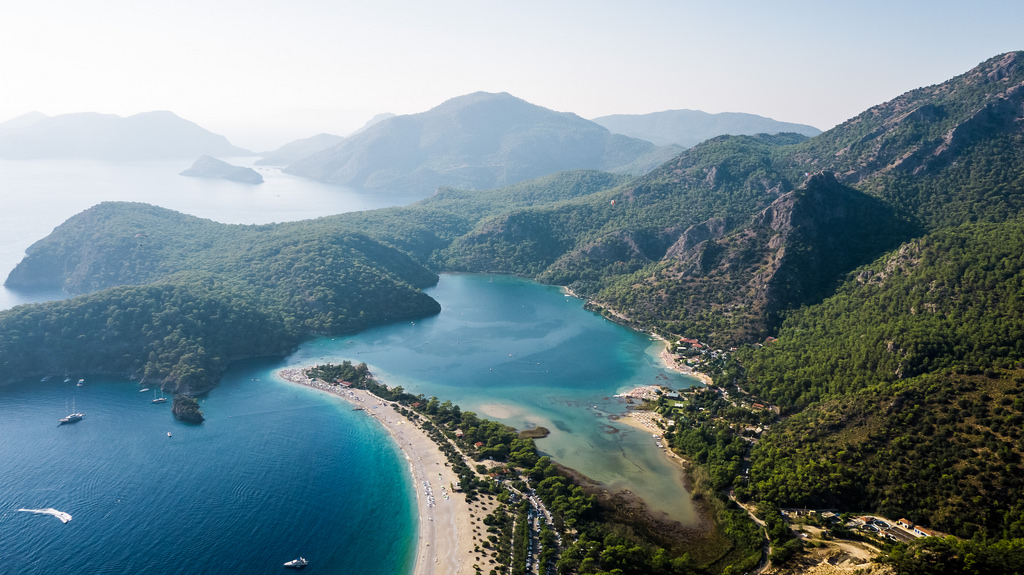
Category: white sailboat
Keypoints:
(71, 417)
(160, 399)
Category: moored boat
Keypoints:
(71, 417)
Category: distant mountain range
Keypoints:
(299, 149)
(690, 127)
(477, 141)
(146, 136)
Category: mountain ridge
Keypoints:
(145, 136)
(688, 128)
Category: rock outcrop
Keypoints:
(186, 409)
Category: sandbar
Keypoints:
(445, 530)
(645, 421)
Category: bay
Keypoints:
(280, 470)
(276, 471)
(229, 494)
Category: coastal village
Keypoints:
(823, 530)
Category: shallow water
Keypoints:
(526, 355)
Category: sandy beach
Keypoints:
(447, 523)
(684, 369)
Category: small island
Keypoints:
(210, 167)
(186, 409)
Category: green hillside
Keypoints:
(906, 387)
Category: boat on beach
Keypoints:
(297, 563)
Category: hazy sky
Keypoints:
(263, 72)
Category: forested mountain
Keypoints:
(945, 154)
(146, 136)
(297, 280)
(201, 293)
(477, 141)
(688, 128)
(907, 386)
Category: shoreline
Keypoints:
(445, 521)
(639, 423)
(670, 363)
(666, 358)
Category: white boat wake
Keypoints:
(64, 517)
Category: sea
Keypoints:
(279, 470)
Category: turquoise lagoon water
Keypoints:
(526, 355)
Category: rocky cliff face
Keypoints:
(791, 253)
(925, 129)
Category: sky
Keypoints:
(265, 72)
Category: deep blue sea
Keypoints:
(279, 470)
